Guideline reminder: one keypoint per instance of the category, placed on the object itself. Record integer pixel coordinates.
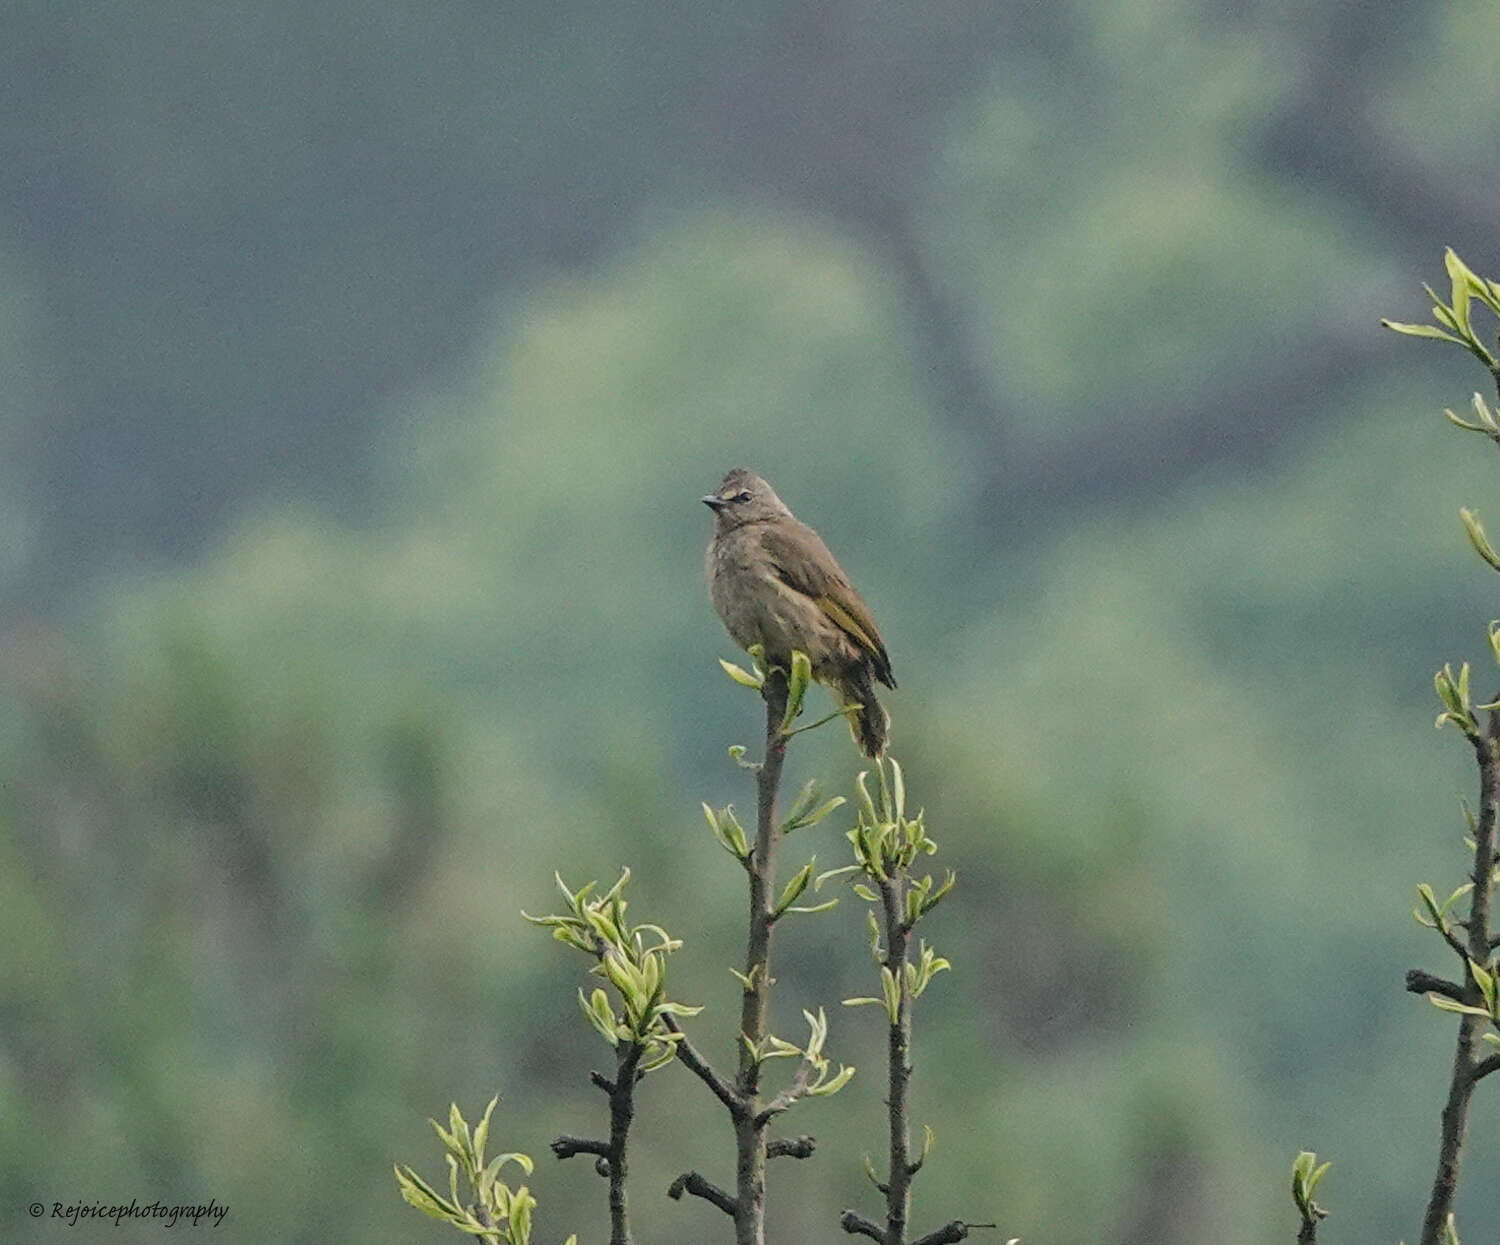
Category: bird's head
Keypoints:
(743, 497)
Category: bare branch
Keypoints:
(1419, 982)
(700, 1067)
(788, 1096)
(1455, 942)
(699, 1186)
(791, 1147)
(856, 1224)
(954, 1230)
(1482, 1069)
(566, 1147)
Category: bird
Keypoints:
(773, 582)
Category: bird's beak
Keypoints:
(713, 502)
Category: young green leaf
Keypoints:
(482, 1131)
(890, 987)
(773, 1047)
(1422, 330)
(1485, 980)
(417, 1192)
(797, 681)
(1474, 529)
(1434, 918)
(521, 1206)
(459, 1128)
(794, 888)
(824, 1086)
(929, 1139)
(807, 909)
(1452, 1005)
(866, 804)
(931, 901)
(598, 1012)
(829, 874)
(1459, 278)
(742, 676)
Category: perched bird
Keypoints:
(774, 583)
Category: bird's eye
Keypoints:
(742, 496)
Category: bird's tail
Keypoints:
(871, 724)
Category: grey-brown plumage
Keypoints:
(774, 583)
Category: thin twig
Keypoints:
(566, 1147)
(792, 1147)
(698, 1186)
(783, 1100)
(703, 1070)
(1419, 982)
(1457, 944)
(856, 1224)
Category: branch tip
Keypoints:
(566, 1147)
(1420, 982)
(791, 1147)
(700, 1186)
(856, 1224)
(956, 1230)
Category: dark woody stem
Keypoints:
(893, 879)
(621, 1114)
(1467, 1070)
(611, 1155)
(700, 1186)
(898, 1055)
(750, 1128)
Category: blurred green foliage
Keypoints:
(414, 332)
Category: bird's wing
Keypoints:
(803, 562)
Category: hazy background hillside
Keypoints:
(360, 367)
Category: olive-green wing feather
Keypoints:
(805, 564)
